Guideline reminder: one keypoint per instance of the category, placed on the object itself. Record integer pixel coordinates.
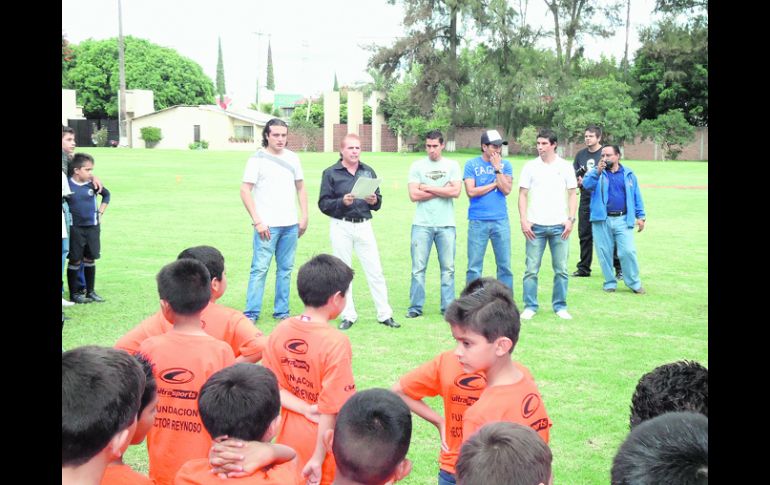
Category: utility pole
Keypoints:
(122, 71)
(258, 34)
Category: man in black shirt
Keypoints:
(585, 160)
(351, 229)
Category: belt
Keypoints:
(616, 213)
(353, 219)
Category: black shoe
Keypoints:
(345, 324)
(411, 314)
(618, 275)
(609, 290)
(80, 298)
(581, 274)
(391, 323)
(95, 298)
(640, 291)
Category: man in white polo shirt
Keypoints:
(547, 207)
(271, 178)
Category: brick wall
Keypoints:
(389, 141)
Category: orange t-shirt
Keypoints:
(516, 403)
(183, 363)
(221, 322)
(198, 472)
(312, 360)
(123, 474)
(445, 376)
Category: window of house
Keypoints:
(244, 132)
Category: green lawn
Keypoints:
(166, 200)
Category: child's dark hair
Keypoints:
(371, 436)
(80, 159)
(486, 307)
(240, 401)
(186, 285)
(209, 256)
(150, 385)
(321, 277)
(504, 452)
(101, 389)
(672, 448)
(678, 386)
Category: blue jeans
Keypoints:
(559, 254)
(423, 238)
(607, 234)
(446, 478)
(499, 232)
(282, 244)
(65, 250)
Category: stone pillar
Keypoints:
(355, 111)
(331, 117)
(378, 119)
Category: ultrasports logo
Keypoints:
(296, 346)
(176, 375)
(471, 382)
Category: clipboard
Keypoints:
(365, 187)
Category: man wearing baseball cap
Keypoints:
(488, 181)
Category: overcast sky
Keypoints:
(311, 39)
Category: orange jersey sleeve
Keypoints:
(197, 472)
(232, 327)
(311, 360)
(445, 376)
(151, 326)
(517, 403)
(123, 475)
(183, 363)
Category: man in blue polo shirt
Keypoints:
(488, 181)
(616, 203)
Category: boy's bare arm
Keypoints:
(293, 403)
(313, 469)
(230, 457)
(421, 409)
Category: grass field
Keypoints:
(586, 368)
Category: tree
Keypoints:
(605, 102)
(336, 86)
(670, 131)
(173, 79)
(66, 58)
(406, 118)
(573, 19)
(270, 79)
(671, 70)
(434, 29)
(220, 73)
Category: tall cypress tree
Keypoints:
(336, 86)
(270, 80)
(220, 73)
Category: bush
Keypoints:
(100, 137)
(151, 136)
(528, 140)
(198, 145)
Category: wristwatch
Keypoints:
(571, 219)
(498, 171)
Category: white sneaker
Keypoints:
(66, 303)
(564, 314)
(527, 314)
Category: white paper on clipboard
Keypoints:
(364, 187)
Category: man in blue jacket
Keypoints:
(616, 204)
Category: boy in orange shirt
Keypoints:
(222, 323)
(243, 402)
(459, 389)
(117, 472)
(101, 390)
(183, 358)
(485, 323)
(370, 439)
(312, 361)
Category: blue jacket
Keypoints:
(599, 198)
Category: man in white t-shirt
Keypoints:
(547, 207)
(271, 177)
(433, 182)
